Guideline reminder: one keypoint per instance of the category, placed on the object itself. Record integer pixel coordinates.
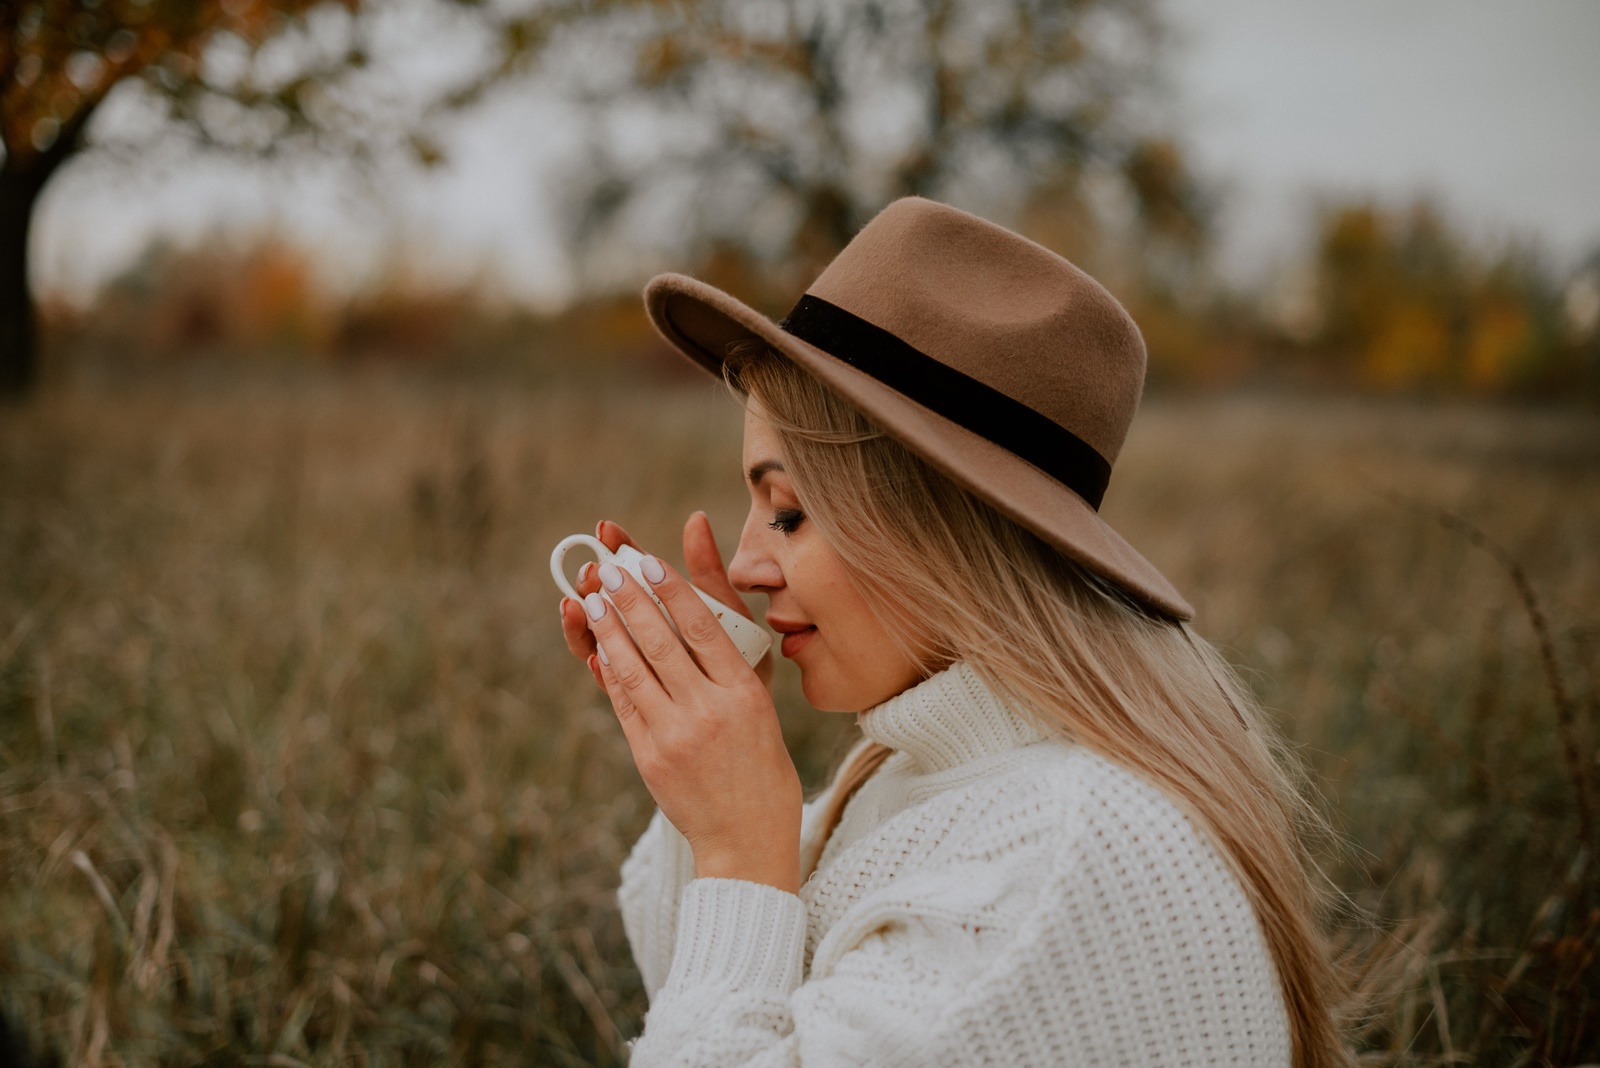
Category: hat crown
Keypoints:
(1000, 309)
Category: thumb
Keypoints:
(612, 536)
(704, 562)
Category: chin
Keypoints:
(815, 689)
(823, 697)
(816, 694)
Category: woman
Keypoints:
(1068, 836)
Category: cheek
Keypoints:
(832, 600)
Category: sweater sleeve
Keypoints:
(653, 878)
(736, 993)
(1072, 952)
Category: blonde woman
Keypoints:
(1068, 836)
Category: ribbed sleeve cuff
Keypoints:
(738, 935)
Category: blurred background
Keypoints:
(320, 323)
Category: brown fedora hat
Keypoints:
(994, 359)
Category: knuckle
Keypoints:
(651, 766)
(714, 724)
(702, 629)
(673, 746)
(632, 677)
(656, 646)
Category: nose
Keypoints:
(753, 568)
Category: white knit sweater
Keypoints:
(992, 896)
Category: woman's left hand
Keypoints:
(704, 735)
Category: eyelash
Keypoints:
(787, 520)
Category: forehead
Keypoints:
(760, 441)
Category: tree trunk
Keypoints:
(19, 336)
(20, 184)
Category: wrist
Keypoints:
(781, 872)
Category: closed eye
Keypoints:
(787, 520)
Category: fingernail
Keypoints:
(604, 659)
(585, 571)
(611, 577)
(594, 606)
(652, 569)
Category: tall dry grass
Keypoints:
(297, 771)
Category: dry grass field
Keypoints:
(294, 768)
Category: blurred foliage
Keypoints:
(259, 78)
(807, 119)
(1386, 299)
(59, 61)
(1390, 301)
(221, 307)
(1405, 303)
(777, 130)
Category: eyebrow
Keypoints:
(758, 471)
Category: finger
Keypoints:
(629, 667)
(710, 643)
(613, 536)
(588, 578)
(704, 563)
(634, 727)
(575, 630)
(654, 637)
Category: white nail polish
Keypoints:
(652, 569)
(610, 577)
(594, 606)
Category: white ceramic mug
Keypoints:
(751, 638)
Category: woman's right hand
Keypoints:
(706, 570)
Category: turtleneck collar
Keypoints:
(947, 720)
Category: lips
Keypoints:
(794, 641)
(796, 635)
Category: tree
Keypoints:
(1407, 302)
(814, 114)
(782, 125)
(60, 59)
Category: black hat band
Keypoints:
(957, 396)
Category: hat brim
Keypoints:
(700, 321)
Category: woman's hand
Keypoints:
(704, 734)
(706, 571)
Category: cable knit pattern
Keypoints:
(992, 896)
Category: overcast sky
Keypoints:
(1493, 108)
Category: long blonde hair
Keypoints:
(1056, 640)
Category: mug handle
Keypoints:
(559, 553)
